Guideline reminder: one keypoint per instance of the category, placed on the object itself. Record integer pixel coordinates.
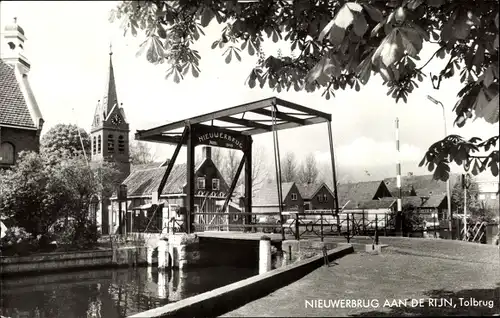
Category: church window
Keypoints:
(111, 143)
(121, 144)
(7, 153)
(99, 144)
(94, 146)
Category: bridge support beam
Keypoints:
(264, 254)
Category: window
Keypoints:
(235, 217)
(482, 196)
(201, 183)
(325, 198)
(7, 153)
(493, 196)
(99, 144)
(94, 146)
(121, 144)
(215, 184)
(111, 143)
(320, 198)
(294, 196)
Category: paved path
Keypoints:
(366, 277)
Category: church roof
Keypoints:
(106, 105)
(14, 108)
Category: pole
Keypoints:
(334, 174)
(465, 208)
(119, 217)
(398, 183)
(448, 190)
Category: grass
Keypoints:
(385, 277)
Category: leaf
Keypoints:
(494, 168)
(194, 71)
(325, 30)
(407, 44)
(376, 29)
(496, 21)
(206, 17)
(479, 57)
(442, 171)
(413, 4)
(488, 77)
(400, 15)
(461, 28)
(390, 50)
(237, 55)
(364, 69)
(251, 48)
(490, 112)
(228, 57)
(495, 43)
(275, 36)
(373, 12)
(360, 25)
(214, 45)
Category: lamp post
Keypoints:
(448, 191)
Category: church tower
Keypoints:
(110, 131)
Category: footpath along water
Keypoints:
(109, 293)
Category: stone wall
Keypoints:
(40, 263)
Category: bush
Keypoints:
(17, 241)
(80, 235)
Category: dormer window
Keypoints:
(215, 184)
(111, 143)
(294, 196)
(201, 183)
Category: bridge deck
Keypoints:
(230, 235)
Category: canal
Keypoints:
(109, 293)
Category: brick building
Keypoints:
(21, 121)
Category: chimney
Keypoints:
(207, 152)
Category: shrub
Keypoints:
(17, 241)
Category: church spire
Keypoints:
(110, 98)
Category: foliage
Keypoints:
(308, 171)
(80, 235)
(457, 198)
(65, 137)
(412, 218)
(141, 153)
(339, 44)
(41, 189)
(289, 169)
(14, 235)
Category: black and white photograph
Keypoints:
(249, 158)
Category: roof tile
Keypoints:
(13, 108)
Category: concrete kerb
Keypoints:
(224, 299)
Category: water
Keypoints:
(109, 293)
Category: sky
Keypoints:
(68, 45)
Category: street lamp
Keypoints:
(448, 192)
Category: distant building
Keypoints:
(210, 192)
(489, 195)
(266, 198)
(21, 121)
(421, 185)
(351, 195)
(316, 196)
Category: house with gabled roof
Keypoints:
(351, 195)
(210, 192)
(21, 121)
(419, 185)
(316, 196)
(266, 199)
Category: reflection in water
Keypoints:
(109, 293)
